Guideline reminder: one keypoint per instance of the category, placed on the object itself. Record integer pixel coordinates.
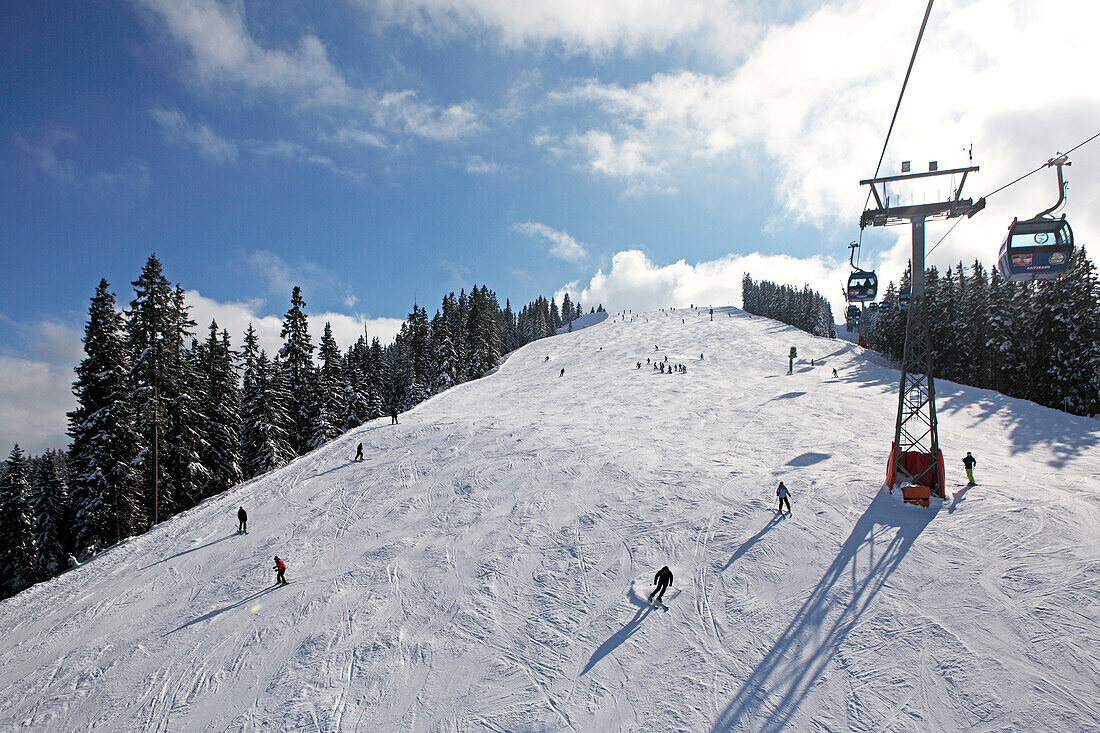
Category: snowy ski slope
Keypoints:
(485, 568)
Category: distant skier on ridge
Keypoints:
(663, 579)
(358, 453)
(783, 493)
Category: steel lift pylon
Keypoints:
(915, 451)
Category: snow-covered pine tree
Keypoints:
(296, 357)
(567, 314)
(354, 384)
(17, 550)
(49, 502)
(330, 391)
(106, 489)
(444, 354)
(222, 452)
(418, 347)
(264, 410)
(1009, 335)
(150, 339)
(483, 332)
(185, 392)
(375, 379)
(1066, 343)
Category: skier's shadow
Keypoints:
(747, 544)
(616, 639)
(219, 611)
(777, 687)
(193, 549)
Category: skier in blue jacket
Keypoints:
(783, 493)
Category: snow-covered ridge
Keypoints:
(486, 566)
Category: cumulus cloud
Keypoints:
(564, 246)
(34, 399)
(236, 315)
(813, 98)
(635, 282)
(177, 129)
(223, 53)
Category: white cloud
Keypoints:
(478, 166)
(595, 26)
(635, 282)
(813, 99)
(564, 246)
(34, 399)
(177, 129)
(223, 54)
(353, 135)
(235, 316)
(297, 153)
(129, 178)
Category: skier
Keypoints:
(811, 362)
(639, 365)
(782, 492)
(663, 579)
(837, 376)
(700, 357)
(546, 359)
(242, 521)
(280, 570)
(393, 416)
(562, 374)
(359, 452)
(968, 464)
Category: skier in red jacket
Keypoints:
(280, 569)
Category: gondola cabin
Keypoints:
(872, 307)
(862, 286)
(852, 314)
(903, 299)
(1036, 249)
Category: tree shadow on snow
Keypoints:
(1064, 435)
(616, 639)
(777, 687)
(193, 549)
(219, 611)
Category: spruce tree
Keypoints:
(222, 449)
(17, 549)
(296, 357)
(106, 489)
(49, 504)
(330, 392)
(150, 343)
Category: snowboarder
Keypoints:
(359, 452)
(837, 376)
(562, 374)
(968, 464)
(393, 416)
(663, 579)
(783, 494)
(242, 521)
(280, 570)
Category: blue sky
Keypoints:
(640, 153)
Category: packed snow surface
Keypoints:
(486, 567)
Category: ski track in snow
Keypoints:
(485, 566)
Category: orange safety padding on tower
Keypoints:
(915, 462)
(891, 467)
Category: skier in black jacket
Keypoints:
(663, 579)
(968, 464)
(242, 519)
(393, 416)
